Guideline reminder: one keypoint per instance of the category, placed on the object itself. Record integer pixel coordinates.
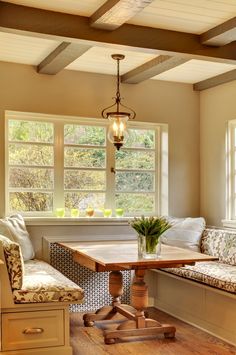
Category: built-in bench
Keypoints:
(35, 300)
(203, 294)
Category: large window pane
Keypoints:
(134, 181)
(82, 200)
(30, 131)
(30, 154)
(78, 161)
(87, 135)
(85, 180)
(85, 158)
(126, 159)
(141, 138)
(139, 203)
(33, 178)
(30, 201)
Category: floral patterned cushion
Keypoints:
(14, 262)
(212, 273)
(43, 283)
(220, 243)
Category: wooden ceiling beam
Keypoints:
(114, 13)
(62, 56)
(220, 35)
(152, 68)
(215, 81)
(76, 29)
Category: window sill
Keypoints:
(69, 221)
(229, 223)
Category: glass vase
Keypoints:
(149, 247)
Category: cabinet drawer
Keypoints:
(24, 330)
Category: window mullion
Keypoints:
(58, 165)
(110, 177)
(7, 189)
(157, 181)
(233, 169)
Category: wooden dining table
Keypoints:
(116, 256)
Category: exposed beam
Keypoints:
(152, 68)
(72, 28)
(221, 34)
(215, 81)
(62, 56)
(115, 13)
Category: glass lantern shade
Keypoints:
(117, 132)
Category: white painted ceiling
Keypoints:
(76, 7)
(98, 60)
(195, 16)
(24, 49)
(194, 71)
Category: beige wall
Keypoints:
(84, 94)
(217, 106)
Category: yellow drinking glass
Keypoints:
(107, 212)
(119, 212)
(60, 212)
(74, 212)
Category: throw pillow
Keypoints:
(185, 233)
(14, 228)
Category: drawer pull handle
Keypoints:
(33, 331)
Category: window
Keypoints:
(30, 166)
(231, 170)
(135, 166)
(84, 166)
(54, 162)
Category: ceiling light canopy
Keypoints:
(117, 132)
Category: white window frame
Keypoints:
(161, 158)
(230, 219)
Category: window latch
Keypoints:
(113, 170)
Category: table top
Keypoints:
(123, 255)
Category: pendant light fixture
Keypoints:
(117, 132)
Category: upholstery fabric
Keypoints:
(43, 283)
(185, 233)
(14, 262)
(220, 243)
(14, 228)
(212, 273)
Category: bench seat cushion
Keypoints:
(212, 273)
(43, 283)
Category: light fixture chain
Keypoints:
(118, 85)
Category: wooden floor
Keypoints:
(188, 340)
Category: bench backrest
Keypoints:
(220, 243)
(6, 287)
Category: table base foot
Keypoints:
(129, 328)
(105, 313)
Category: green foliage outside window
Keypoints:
(31, 168)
